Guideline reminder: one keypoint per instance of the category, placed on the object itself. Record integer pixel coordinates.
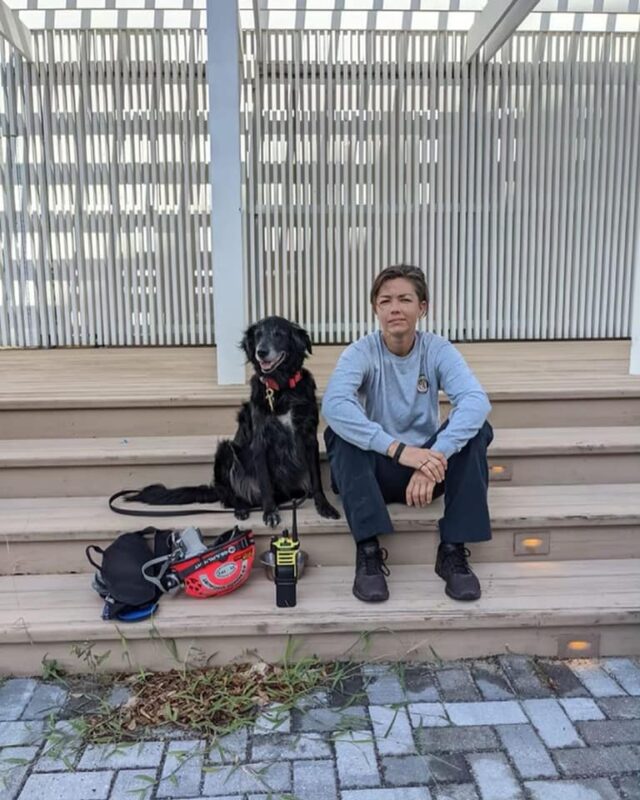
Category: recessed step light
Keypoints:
(579, 647)
(531, 544)
(500, 472)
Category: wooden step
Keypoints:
(200, 416)
(533, 608)
(198, 419)
(42, 535)
(160, 391)
(519, 456)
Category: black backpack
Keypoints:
(119, 579)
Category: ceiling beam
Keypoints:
(15, 31)
(494, 25)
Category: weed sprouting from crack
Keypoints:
(209, 700)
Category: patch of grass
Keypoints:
(52, 670)
(211, 701)
(85, 651)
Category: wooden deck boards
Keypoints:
(47, 518)
(529, 604)
(137, 376)
(200, 449)
(50, 607)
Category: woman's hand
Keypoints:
(430, 463)
(419, 490)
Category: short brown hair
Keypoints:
(413, 274)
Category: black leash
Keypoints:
(296, 502)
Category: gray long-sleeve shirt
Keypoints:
(375, 397)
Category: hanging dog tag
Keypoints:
(270, 395)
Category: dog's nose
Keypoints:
(262, 354)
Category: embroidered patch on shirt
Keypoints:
(423, 384)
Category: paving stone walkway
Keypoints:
(510, 728)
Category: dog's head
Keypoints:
(275, 345)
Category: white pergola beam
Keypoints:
(223, 77)
(15, 31)
(494, 25)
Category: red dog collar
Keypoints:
(272, 384)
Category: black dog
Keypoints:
(274, 455)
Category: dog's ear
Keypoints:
(302, 338)
(248, 343)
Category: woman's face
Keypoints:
(398, 308)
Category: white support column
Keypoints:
(223, 77)
(15, 32)
(634, 361)
(494, 25)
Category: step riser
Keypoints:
(191, 420)
(84, 423)
(580, 468)
(558, 413)
(419, 645)
(89, 480)
(336, 549)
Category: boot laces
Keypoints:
(373, 560)
(456, 560)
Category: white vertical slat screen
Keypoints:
(513, 184)
(104, 190)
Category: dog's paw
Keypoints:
(325, 509)
(241, 513)
(271, 518)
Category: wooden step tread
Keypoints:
(508, 442)
(52, 518)
(170, 397)
(48, 608)
(142, 377)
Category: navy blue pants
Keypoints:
(367, 481)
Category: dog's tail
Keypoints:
(157, 494)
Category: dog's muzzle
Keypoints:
(269, 366)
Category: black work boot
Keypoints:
(370, 583)
(452, 567)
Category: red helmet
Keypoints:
(222, 567)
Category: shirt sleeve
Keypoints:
(341, 406)
(469, 401)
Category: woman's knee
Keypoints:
(336, 445)
(483, 438)
(347, 461)
(487, 431)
